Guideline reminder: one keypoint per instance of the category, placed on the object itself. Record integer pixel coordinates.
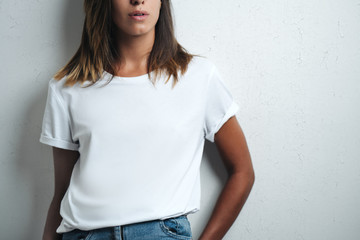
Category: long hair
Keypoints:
(97, 50)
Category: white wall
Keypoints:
(293, 67)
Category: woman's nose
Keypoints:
(137, 2)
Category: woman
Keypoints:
(127, 145)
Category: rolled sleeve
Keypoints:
(56, 129)
(220, 105)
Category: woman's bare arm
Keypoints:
(64, 161)
(232, 146)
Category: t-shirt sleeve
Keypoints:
(56, 129)
(220, 104)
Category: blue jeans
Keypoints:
(167, 229)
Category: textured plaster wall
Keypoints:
(293, 67)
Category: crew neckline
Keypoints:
(129, 79)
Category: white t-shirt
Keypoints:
(140, 145)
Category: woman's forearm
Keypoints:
(53, 221)
(228, 206)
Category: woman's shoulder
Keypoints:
(58, 86)
(54, 84)
(202, 62)
(57, 83)
(199, 70)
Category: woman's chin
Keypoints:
(140, 32)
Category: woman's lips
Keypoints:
(139, 15)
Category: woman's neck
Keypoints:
(134, 52)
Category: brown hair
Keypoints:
(97, 48)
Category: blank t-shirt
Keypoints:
(140, 145)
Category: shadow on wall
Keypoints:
(211, 163)
(34, 160)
